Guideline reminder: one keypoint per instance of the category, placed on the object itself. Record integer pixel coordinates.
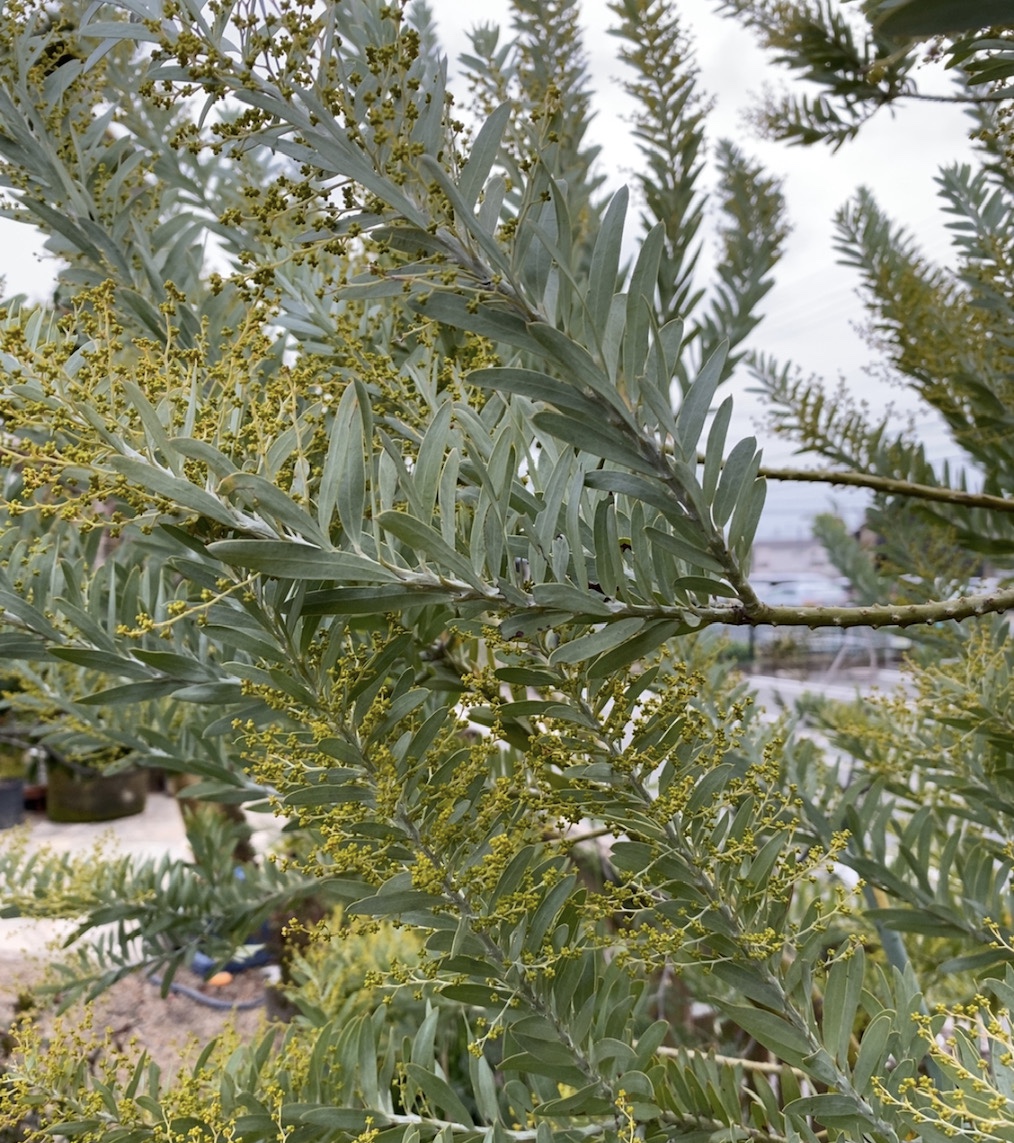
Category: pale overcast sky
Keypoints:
(812, 311)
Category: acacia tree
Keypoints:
(356, 471)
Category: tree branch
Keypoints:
(891, 486)
(986, 97)
(879, 615)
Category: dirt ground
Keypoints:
(172, 1029)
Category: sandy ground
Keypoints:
(171, 1029)
(133, 1009)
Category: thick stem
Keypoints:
(891, 486)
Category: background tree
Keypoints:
(939, 756)
(357, 471)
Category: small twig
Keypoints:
(590, 835)
(767, 1067)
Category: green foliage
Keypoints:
(940, 17)
(364, 469)
(856, 67)
(864, 57)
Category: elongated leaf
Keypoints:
(605, 263)
(429, 462)
(439, 1092)
(522, 626)
(776, 1034)
(609, 567)
(873, 1050)
(537, 387)
(153, 426)
(841, 1001)
(395, 904)
(829, 1109)
(640, 299)
(609, 443)
(447, 496)
(716, 449)
(179, 666)
(132, 693)
(565, 597)
(587, 1101)
(107, 661)
(22, 647)
(923, 19)
(214, 458)
(547, 911)
(702, 586)
(539, 1065)
(612, 337)
(752, 984)
(973, 962)
(483, 155)
(499, 325)
(175, 489)
(694, 410)
(31, 617)
(664, 354)
(484, 1088)
(916, 920)
(427, 541)
(267, 499)
(561, 283)
(464, 214)
(595, 643)
(343, 479)
(371, 600)
(221, 693)
(347, 1120)
(684, 547)
(329, 794)
(491, 205)
(636, 648)
(739, 471)
(581, 368)
(746, 518)
(545, 708)
(652, 492)
(298, 561)
(654, 392)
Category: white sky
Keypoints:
(812, 311)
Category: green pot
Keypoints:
(74, 796)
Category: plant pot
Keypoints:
(35, 797)
(12, 802)
(74, 796)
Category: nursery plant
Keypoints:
(372, 463)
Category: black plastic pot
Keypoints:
(74, 795)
